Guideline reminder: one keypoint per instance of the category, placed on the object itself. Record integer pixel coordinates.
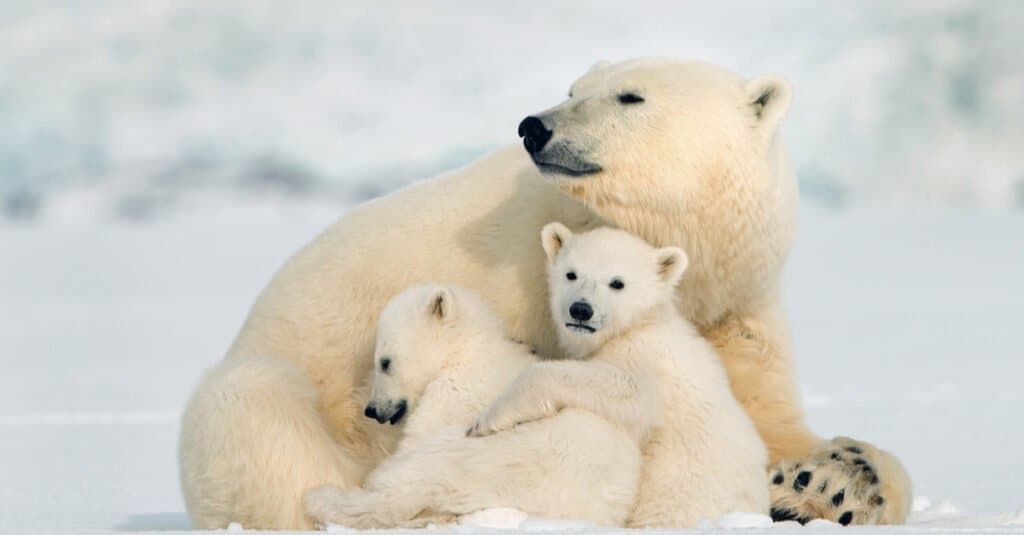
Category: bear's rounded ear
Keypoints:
(671, 263)
(441, 304)
(768, 98)
(553, 237)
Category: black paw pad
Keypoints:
(868, 474)
(802, 480)
(877, 501)
(777, 480)
(837, 498)
(846, 518)
(854, 449)
(782, 515)
(859, 462)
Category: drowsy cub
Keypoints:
(441, 357)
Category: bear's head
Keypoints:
(420, 332)
(605, 282)
(679, 153)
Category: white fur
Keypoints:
(641, 365)
(698, 165)
(447, 358)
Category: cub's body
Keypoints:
(635, 361)
(575, 465)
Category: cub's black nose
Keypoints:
(535, 135)
(581, 311)
(370, 412)
(399, 412)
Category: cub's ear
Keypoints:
(441, 304)
(671, 262)
(553, 237)
(768, 98)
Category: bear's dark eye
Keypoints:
(385, 363)
(571, 275)
(630, 98)
(617, 284)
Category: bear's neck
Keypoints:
(737, 243)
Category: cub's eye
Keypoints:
(630, 98)
(385, 363)
(571, 275)
(616, 284)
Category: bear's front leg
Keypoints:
(524, 401)
(842, 480)
(548, 387)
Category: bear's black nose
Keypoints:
(581, 311)
(535, 135)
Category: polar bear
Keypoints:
(634, 360)
(677, 152)
(441, 357)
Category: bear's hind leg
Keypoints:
(252, 441)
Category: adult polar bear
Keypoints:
(680, 153)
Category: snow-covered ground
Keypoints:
(907, 327)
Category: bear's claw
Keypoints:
(838, 482)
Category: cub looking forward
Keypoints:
(635, 361)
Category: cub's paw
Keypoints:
(490, 422)
(509, 412)
(843, 480)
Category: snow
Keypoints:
(904, 324)
(738, 520)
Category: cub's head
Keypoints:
(420, 332)
(604, 282)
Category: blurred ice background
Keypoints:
(241, 110)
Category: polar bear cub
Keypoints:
(442, 357)
(635, 361)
